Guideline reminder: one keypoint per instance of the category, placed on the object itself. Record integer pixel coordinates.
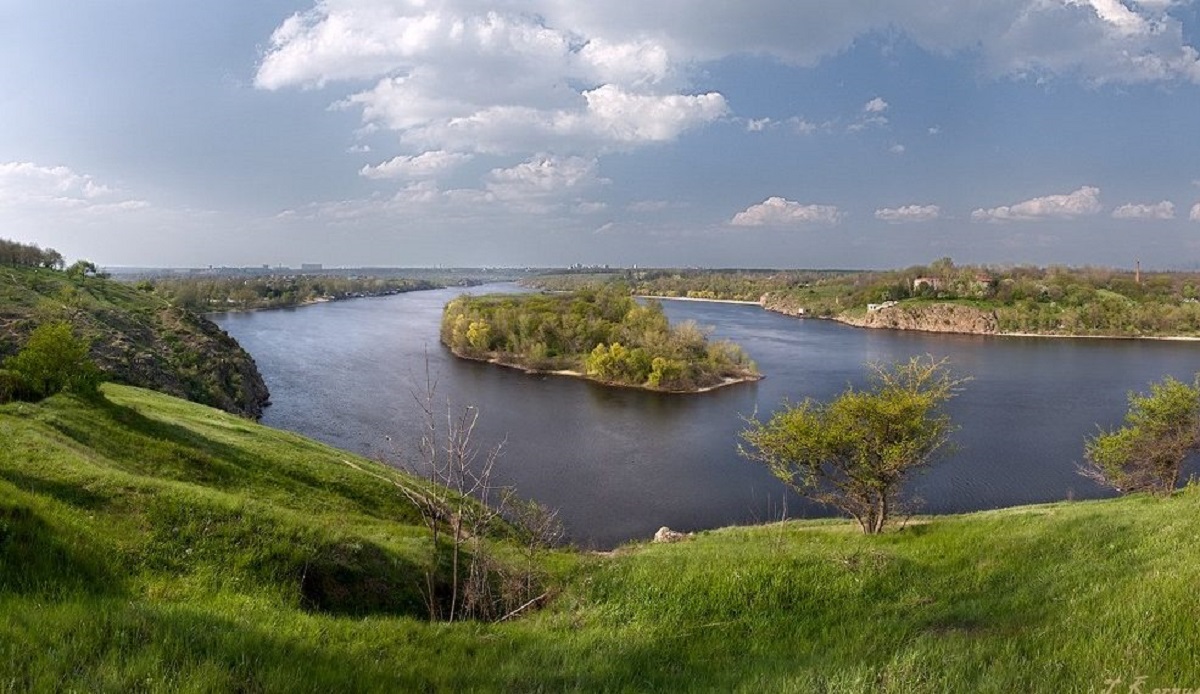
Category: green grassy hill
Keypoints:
(136, 337)
(150, 544)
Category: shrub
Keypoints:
(52, 361)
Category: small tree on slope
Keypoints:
(855, 452)
(1147, 453)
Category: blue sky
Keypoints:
(764, 133)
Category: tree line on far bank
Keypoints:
(205, 294)
(1056, 300)
(604, 334)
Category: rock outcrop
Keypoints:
(933, 318)
(667, 535)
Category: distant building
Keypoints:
(872, 308)
(311, 267)
(934, 283)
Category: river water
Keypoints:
(620, 463)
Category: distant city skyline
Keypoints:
(766, 133)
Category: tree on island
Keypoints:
(1147, 453)
(855, 452)
(604, 335)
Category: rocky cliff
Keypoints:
(933, 318)
(136, 338)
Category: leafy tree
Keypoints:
(479, 335)
(81, 268)
(854, 452)
(54, 360)
(1147, 453)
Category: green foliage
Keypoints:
(14, 387)
(81, 268)
(52, 361)
(854, 452)
(619, 364)
(1146, 454)
(604, 334)
(479, 336)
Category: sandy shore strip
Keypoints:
(568, 373)
(691, 298)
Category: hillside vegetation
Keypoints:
(135, 337)
(603, 334)
(151, 544)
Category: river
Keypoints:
(620, 463)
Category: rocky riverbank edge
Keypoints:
(948, 318)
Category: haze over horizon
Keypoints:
(766, 133)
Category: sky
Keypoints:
(711, 133)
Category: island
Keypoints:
(602, 334)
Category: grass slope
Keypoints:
(155, 545)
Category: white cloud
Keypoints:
(1194, 215)
(541, 185)
(876, 105)
(651, 205)
(1159, 5)
(1082, 202)
(777, 211)
(460, 76)
(584, 78)
(801, 126)
(935, 130)
(25, 185)
(757, 125)
(897, 149)
(540, 175)
(607, 117)
(1096, 40)
(1158, 210)
(628, 117)
(425, 165)
(908, 213)
(641, 63)
(590, 207)
(1116, 14)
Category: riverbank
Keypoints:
(980, 323)
(955, 319)
(692, 298)
(571, 373)
(318, 300)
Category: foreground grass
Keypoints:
(149, 544)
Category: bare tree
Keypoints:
(459, 506)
